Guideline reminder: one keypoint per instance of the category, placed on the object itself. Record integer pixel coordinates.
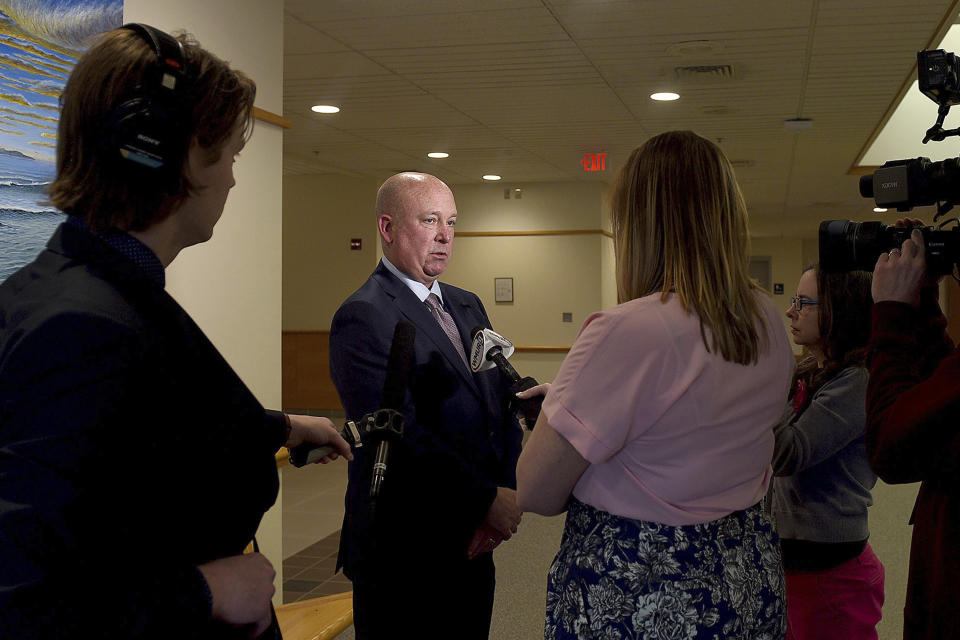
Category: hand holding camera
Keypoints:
(900, 274)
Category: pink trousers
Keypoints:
(841, 603)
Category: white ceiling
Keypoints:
(523, 88)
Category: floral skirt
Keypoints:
(615, 578)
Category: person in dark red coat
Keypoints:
(913, 430)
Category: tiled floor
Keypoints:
(312, 504)
(309, 573)
(312, 515)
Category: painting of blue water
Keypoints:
(40, 41)
(25, 222)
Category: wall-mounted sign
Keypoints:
(594, 162)
(356, 244)
(503, 289)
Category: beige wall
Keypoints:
(890, 538)
(786, 261)
(544, 206)
(231, 284)
(551, 274)
(321, 215)
(810, 251)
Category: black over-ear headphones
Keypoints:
(148, 126)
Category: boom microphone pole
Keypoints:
(390, 422)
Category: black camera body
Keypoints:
(848, 246)
(905, 184)
(917, 182)
(938, 74)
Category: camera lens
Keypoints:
(847, 246)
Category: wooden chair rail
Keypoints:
(271, 117)
(316, 619)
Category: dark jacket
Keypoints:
(460, 441)
(913, 435)
(130, 452)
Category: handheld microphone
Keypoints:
(490, 349)
(381, 425)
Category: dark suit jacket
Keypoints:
(130, 452)
(460, 441)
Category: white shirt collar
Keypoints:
(418, 288)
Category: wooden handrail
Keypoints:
(272, 118)
(316, 619)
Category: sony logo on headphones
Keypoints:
(148, 140)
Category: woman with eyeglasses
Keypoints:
(823, 481)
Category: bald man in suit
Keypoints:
(423, 561)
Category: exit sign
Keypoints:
(594, 162)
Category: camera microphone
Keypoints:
(381, 426)
(394, 393)
(490, 349)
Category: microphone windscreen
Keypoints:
(398, 367)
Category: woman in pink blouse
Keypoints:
(656, 436)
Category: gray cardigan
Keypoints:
(822, 486)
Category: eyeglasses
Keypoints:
(800, 303)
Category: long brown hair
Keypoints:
(680, 226)
(844, 304)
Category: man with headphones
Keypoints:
(135, 465)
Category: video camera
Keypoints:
(905, 184)
(848, 246)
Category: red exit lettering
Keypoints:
(594, 162)
(355, 244)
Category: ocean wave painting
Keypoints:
(40, 41)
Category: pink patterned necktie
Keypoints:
(447, 324)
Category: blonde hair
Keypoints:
(680, 226)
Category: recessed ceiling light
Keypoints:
(491, 176)
(438, 154)
(325, 108)
(879, 210)
(664, 96)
